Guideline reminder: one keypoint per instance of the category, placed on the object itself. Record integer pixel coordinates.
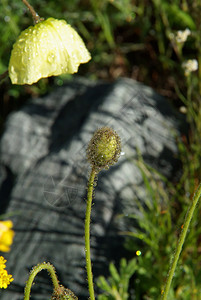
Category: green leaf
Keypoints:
(131, 267)
(178, 18)
(103, 284)
(114, 272)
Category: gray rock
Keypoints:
(43, 177)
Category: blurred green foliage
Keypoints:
(152, 242)
(114, 30)
(117, 285)
(125, 37)
(95, 21)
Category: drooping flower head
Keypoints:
(62, 293)
(50, 47)
(190, 66)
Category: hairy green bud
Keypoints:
(104, 149)
(62, 293)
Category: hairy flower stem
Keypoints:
(34, 272)
(35, 16)
(182, 237)
(87, 233)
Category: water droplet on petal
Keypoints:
(50, 57)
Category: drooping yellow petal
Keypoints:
(51, 47)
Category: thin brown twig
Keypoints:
(35, 16)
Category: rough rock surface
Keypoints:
(43, 176)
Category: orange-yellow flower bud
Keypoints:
(6, 235)
(5, 278)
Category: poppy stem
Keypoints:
(34, 272)
(182, 237)
(87, 233)
(35, 16)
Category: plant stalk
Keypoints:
(34, 272)
(182, 237)
(87, 233)
(35, 16)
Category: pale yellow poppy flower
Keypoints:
(51, 47)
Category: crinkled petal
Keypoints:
(51, 47)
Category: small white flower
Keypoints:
(183, 109)
(190, 66)
(181, 36)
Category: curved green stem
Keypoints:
(182, 237)
(87, 233)
(34, 272)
